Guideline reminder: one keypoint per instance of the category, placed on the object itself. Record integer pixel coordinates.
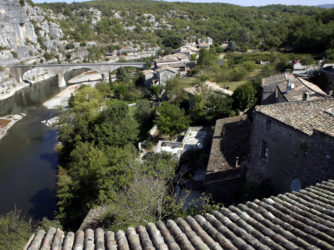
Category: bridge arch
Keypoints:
(18, 71)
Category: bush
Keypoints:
(47, 56)
(15, 230)
(238, 73)
(69, 46)
(14, 54)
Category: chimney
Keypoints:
(288, 86)
(306, 96)
(236, 161)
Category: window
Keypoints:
(264, 151)
(268, 125)
(296, 185)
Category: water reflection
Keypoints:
(28, 165)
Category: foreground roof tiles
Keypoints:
(298, 220)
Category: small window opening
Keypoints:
(264, 151)
(268, 125)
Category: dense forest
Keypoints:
(292, 28)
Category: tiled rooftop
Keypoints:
(296, 92)
(275, 79)
(298, 220)
(304, 116)
(230, 140)
(300, 87)
(167, 68)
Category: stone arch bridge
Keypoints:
(18, 70)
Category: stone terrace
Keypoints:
(298, 220)
(304, 116)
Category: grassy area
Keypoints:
(188, 81)
(232, 85)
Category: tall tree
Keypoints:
(170, 119)
(122, 75)
(244, 97)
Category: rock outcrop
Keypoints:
(26, 32)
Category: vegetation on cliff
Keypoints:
(300, 28)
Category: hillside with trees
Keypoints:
(292, 28)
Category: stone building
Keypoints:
(286, 88)
(229, 149)
(149, 77)
(165, 74)
(299, 220)
(292, 144)
(327, 73)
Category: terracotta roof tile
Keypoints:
(303, 219)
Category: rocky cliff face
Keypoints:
(26, 32)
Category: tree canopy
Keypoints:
(170, 119)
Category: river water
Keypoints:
(28, 159)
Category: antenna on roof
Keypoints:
(289, 86)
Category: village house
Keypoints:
(165, 74)
(287, 87)
(177, 61)
(188, 50)
(204, 43)
(148, 75)
(224, 45)
(292, 144)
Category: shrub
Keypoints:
(14, 53)
(69, 46)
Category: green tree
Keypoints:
(122, 75)
(171, 120)
(207, 58)
(156, 90)
(172, 40)
(175, 91)
(244, 97)
(232, 46)
(115, 126)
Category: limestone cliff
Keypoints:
(26, 32)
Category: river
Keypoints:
(28, 159)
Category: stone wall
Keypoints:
(165, 76)
(291, 155)
(328, 76)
